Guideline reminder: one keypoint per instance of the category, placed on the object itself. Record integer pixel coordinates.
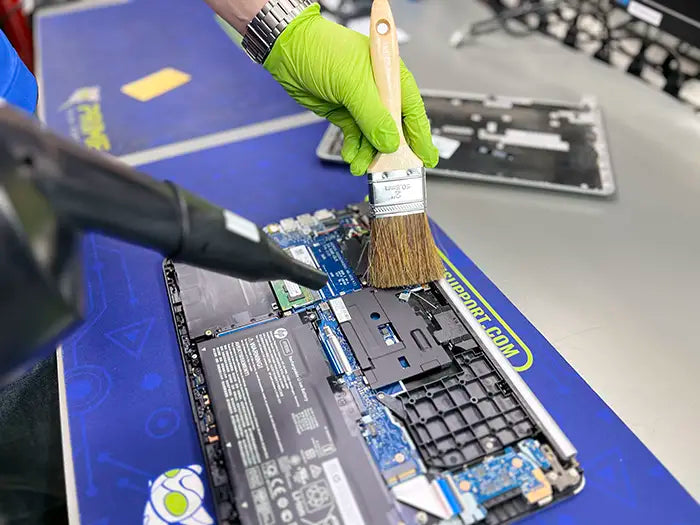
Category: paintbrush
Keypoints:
(402, 248)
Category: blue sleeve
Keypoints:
(17, 84)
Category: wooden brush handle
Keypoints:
(384, 50)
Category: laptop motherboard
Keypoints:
(353, 405)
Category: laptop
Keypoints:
(358, 406)
(544, 144)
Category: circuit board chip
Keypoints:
(502, 475)
(290, 295)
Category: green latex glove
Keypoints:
(327, 68)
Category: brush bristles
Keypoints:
(403, 252)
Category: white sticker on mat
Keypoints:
(445, 145)
(237, 224)
(645, 13)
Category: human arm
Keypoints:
(17, 85)
(238, 13)
(326, 68)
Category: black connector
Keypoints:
(674, 78)
(637, 65)
(669, 65)
(603, 53)
(572, 34)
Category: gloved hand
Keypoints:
(327, 68)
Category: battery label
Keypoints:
(293, 457)
(280, 436)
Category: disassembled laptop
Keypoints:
(354, 405)
(547, 144)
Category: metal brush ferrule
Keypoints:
(397, 192)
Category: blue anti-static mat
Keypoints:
(88, 49)
(130, 417)
(129, 412)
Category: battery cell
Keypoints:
(287, 444)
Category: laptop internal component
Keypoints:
(353, 405)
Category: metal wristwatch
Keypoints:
(268, 24)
